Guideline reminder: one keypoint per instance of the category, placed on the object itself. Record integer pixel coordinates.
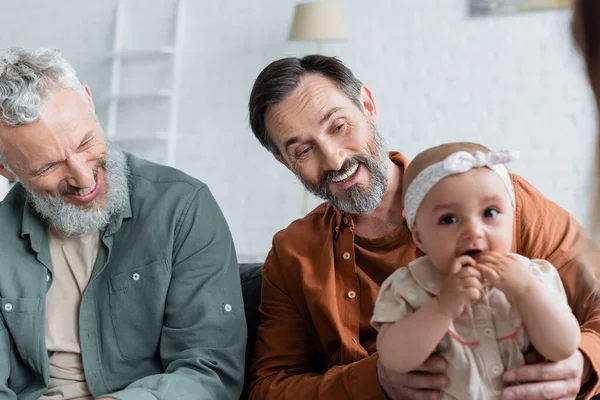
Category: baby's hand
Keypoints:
(462, 285)
(505, 272)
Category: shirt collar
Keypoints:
(426, 275)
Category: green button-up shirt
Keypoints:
(162, 316)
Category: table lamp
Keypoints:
(318, 22)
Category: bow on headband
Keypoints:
(461, 161)
(456, 163)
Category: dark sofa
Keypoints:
(251, 277)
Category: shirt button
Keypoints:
(352, 294)
(8, 307)
(345, 221)
(516, 322)
(135, 277)
(496, 370)
(337, 229)
(227, 307)
(47, 277)
(346, 256)
(488, 332)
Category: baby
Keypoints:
(469, 298)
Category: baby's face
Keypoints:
(464, 214)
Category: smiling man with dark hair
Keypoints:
(324, 271)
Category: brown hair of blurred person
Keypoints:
(586, 31)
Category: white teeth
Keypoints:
(86, 191)
(347, 174)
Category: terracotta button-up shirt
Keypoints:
(320, 283)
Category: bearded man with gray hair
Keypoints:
(120, 278)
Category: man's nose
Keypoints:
(333, 156)
(81, 174)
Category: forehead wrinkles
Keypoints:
(301, 108)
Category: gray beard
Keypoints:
(358, 199)
(72, 220)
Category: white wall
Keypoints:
(4, 187)
(436, 74)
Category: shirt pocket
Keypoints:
(137, 306)
(25, 323)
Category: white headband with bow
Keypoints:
(456, 163)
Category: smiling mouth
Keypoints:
(85, 191)
(348, 174)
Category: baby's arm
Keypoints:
(406, 341)
(552, 327)
(405, 344)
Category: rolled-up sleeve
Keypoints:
(204, 332)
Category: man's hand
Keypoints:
(545, 380)
(422, 384)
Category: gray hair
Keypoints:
(27, 78)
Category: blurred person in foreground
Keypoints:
(586, 31)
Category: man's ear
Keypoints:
(367, 101)
(88, 92)
(280, 159)
(5, 172)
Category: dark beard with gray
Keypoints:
(358, 199)
(72, 220)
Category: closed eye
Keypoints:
(85, 144)
(44, 170)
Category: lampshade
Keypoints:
(319, 21)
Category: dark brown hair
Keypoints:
(586, 31)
